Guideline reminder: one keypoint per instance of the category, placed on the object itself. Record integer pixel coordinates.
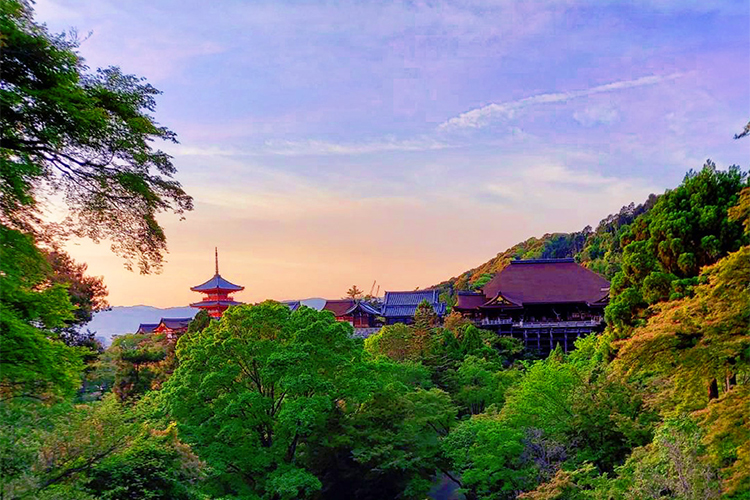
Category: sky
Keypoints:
(336, 143)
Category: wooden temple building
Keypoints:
(544, 302)
(147, 327)
(357, 312)
(217, 293)
(170, 327)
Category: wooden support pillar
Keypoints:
(551, 340)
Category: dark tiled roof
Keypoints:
(470, 300)
(404, 304)
(210, 303)
(339, 307)
(217, 283)
(547, 281)
(368, 308)
(346, 307)
(147, 327)
(175, 323)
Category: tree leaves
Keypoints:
(687, 228)
(88, 137)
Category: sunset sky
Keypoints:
(336, 143)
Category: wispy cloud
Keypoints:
(311, 147)
(594, 115)
(480, 117)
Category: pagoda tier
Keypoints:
(217, 294)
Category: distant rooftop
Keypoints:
(147, 327)
(175, 323)
(345, 307)
(293, 305)
(404, 304)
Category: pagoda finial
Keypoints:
(216, 250)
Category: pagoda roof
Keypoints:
(404, 304)
(547, 281)
(214, 303)
(217, 283)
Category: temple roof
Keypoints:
(545, 281)
(404, 304)
(345, 307)
(147, 327)
(175, 323)
(338, 307)
(366, 307)
(217, 283)
(470, 300)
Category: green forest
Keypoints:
(271, 404)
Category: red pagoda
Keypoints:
(217, 292)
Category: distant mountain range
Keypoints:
(125, 319)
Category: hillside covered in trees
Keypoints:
(598, 249)
(269, 403)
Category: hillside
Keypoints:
(598, 249)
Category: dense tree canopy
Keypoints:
(35, 362)
(255, 391)
(665, 249)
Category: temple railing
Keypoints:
(556, 324)
(365, 332)
(539, 324)
(495, 321)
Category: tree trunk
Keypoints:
(731, 381)
(713, 390)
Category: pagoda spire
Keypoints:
(217, 292)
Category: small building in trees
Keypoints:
(399, 307)
(172, 327)
(544, 302)
(217, 293)
(359, 313)
(147, 327)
